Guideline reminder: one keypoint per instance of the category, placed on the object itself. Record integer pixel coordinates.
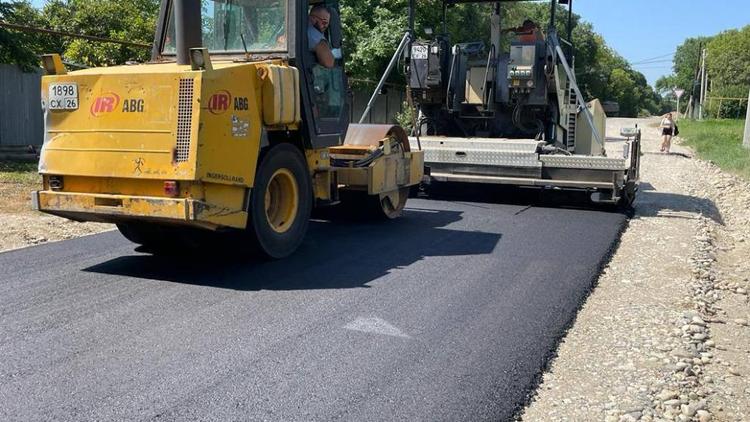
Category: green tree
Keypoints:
(685, 65)
(687, 60)
(728, 68)
(728, 63)
(21, 47)
(728, 59)
(132, 20)
(622, 88)
(372, 31)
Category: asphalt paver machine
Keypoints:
(510, 111)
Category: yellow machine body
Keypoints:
(140, 129)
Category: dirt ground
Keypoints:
(21, 226)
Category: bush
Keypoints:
(405, 117)
(733, 109)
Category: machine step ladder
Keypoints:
(572, 118)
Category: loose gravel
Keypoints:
(664, 336)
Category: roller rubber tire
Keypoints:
(271, 243)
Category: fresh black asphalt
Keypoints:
(448, 313)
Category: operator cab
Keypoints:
(326, 87)
(230, 28)
(260, 30)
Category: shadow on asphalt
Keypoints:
(510, 195)
(340, 255)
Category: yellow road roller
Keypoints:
(234, 130)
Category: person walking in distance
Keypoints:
(667, 130)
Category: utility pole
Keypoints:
(746, 139)
(702, 101)
(678, 93)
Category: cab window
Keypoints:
(328, 89)
(233, 26)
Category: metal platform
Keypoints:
(479, 151)
(488, 144)
(506, 152)
(516, 162)
(583, 162)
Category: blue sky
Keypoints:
(644, 29)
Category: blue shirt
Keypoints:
(314, 37)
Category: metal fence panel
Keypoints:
(385, 108)
(21, 119)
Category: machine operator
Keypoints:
(318, 23)
(527, 32)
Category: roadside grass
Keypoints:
(719, 141)
(17, 180)
(18, 172)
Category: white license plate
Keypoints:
(419, 52)
(63, 96)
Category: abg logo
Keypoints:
(219, 102)
(104, 104)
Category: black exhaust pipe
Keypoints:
(187, 19)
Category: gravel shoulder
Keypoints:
(664, 335)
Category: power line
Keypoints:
(654, 58)
(652, 62)
(653, 67)
(69, 34)
(661, 64)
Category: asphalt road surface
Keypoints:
(449, 313)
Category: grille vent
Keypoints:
(184, 120)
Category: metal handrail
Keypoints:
(456, 50)
(565, 41)
(579, 97)
(404, 42)
(490, 59)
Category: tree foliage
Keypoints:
(23, 48)
(686, 62)
(371, 32)
(728, 67)
(132, 20)
(727, 64)
(728, 59)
